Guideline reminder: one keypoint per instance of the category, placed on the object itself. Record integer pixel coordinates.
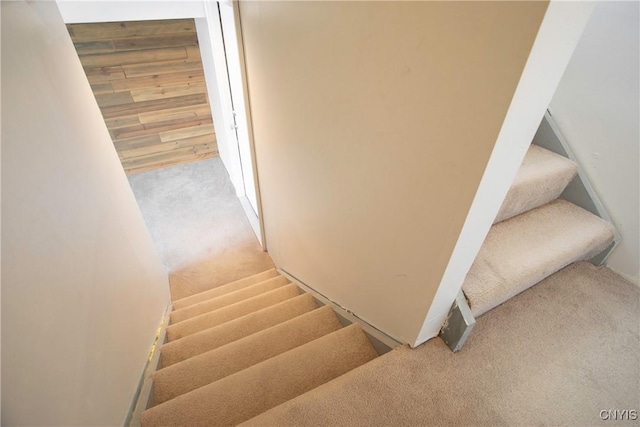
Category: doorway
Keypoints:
(222, 62)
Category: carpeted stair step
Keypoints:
(213, 365)
(224, 289)
(227, 299)
(236, 329)
(527, 248)
(542, 177)
(245, 394)
(230, 312)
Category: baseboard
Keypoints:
(143, 398)
(382, 342)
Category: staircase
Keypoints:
(534, 234)
(235, 351)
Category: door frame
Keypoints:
(209, 24)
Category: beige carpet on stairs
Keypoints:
(178, 315)
(542, 177)
(230, 312)
(236, 329)
(216, 364)
(523, 250)
(557, 354)
(245, 394)
(221, 290)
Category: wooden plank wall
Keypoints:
(148, 79)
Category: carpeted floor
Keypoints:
(557, 354)
(197, 223)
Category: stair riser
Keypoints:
(247, 393)
(542, 177)
(225, 289)
(236, 329)
(234, 357)
(227, 299)
(234, 311)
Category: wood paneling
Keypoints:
(148, 80)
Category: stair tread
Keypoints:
(525, 249)
(230, 312)
(245, 394)
(228, 299)
(221, 290)
(213, 365)
(542, 177)
(217, 336)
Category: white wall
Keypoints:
(373, 123)
(83, 290)
(74, 11)
(597, 110)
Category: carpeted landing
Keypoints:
(238, 350)
(198, 226)
(556, 354)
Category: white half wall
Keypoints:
(558, 35)
(597, 110)
(83, 290)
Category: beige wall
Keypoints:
(83, 290)
(373, 124)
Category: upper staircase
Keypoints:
(235, 351)
(535, 234)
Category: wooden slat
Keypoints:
(139, 70)
(110, 99)
(139, 130)
(192, 111)
(193, 53)
(158, 80)
(172, 135)
(141, 141)
(93, 47)
(148, 42)
(101, 88)
(168, 91)
(175, 157)
(156, 104)
(104, 74)
(147, 150)
(123, 121)
(133, 57)
(174, 124)
(107, 30)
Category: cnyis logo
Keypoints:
(619, 415)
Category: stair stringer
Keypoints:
(382, 342)
(580, 192)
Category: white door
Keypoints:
(233, 54)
